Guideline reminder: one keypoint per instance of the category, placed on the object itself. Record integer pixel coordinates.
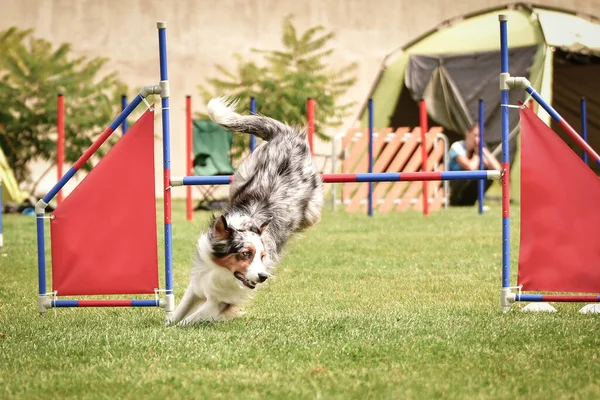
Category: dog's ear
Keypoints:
(265, 223)
(222, 231)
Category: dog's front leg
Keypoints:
(210, 311)
(189, 301)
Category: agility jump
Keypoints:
(100, 246)
(559, 245)
(107, 245)
(367, 177)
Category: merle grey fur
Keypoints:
(276, 191)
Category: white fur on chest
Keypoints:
(213, 282)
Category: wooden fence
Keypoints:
(393, 151)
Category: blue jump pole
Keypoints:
(370, 199)
(166, 130)
(253, 112)
(583, 106)
(41, 246)
(123, 107)
(481, 184)
(505, 164)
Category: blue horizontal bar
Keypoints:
(528, 297)
(464, 175)
(378, 177)
(144, 303)
(206, 180)
(65, 303)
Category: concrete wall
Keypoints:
(204, 32)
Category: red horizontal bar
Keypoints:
(338, 178)
(104, 303)
(567, 298)
(420, 176)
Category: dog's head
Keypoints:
(237, 246)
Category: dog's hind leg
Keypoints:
(188, 302)
(312, 213)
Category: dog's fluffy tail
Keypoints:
(222, 111)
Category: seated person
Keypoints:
(464, 156)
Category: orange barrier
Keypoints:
(393, 151)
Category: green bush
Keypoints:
(32, 73)
(286, 79)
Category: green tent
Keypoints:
(457, 63)
(10, 187)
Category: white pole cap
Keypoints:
(161, 25)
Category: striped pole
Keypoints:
(253, 112)
(366, 177)
(166, 131)
(310, 116)
(370, 198)
(60, 141)
(424, 130)
(481, 184)
(564, 124)
(583, 107)
(92, 149)
(105, 303)
(189, 160)
(123, 106)
(556, 297)
(505, 165)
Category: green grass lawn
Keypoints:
(396, 306)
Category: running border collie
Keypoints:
(276, 192)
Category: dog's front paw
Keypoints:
(170, 319)
(182, 323)
(200, 320)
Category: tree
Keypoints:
(32, 73)
(288, 77)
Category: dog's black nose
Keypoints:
(262, 277)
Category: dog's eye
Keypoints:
(247, 254)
